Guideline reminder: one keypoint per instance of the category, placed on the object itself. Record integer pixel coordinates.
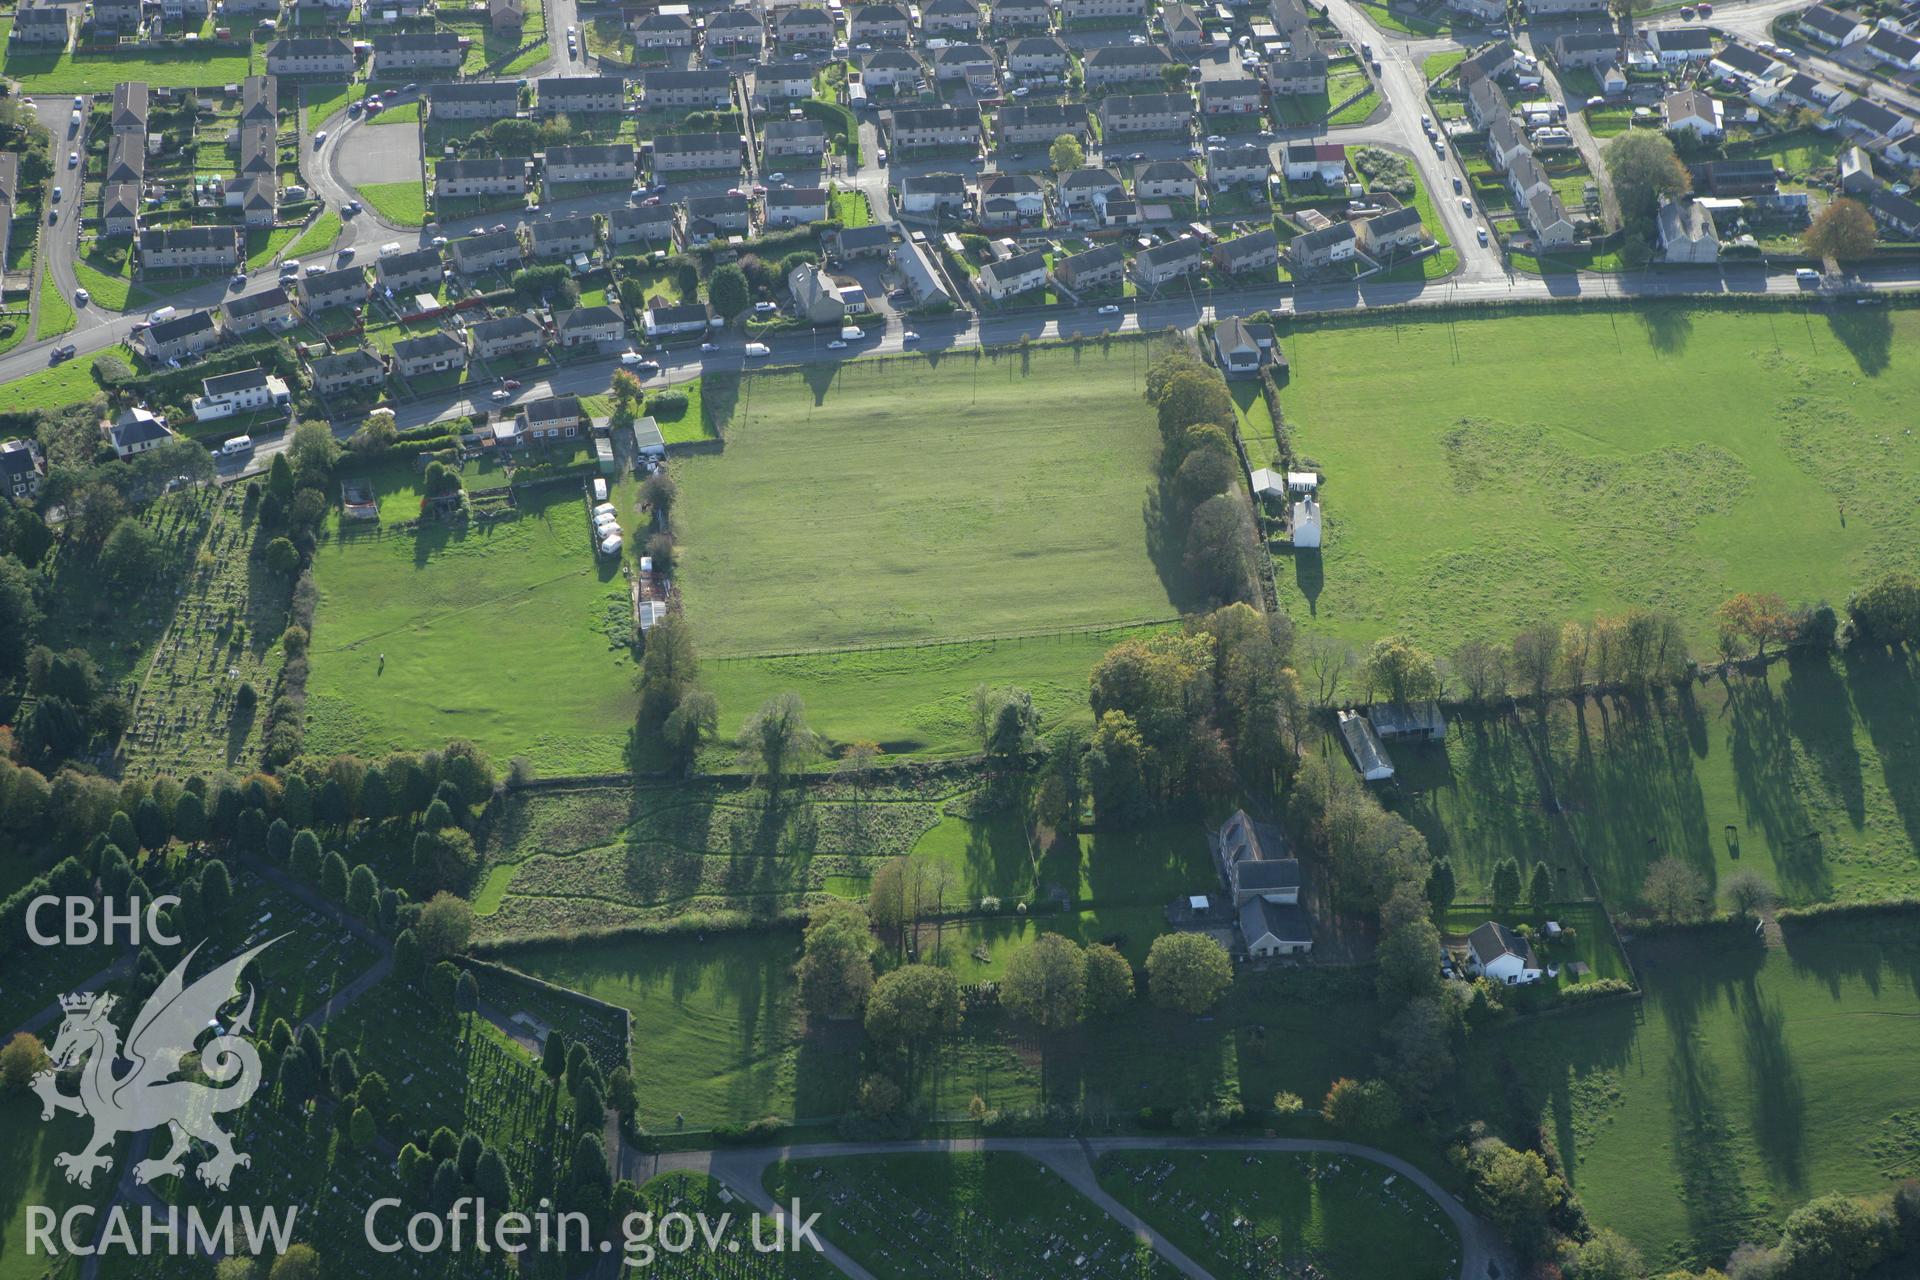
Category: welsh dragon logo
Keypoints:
(147, 1095)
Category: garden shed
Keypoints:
(647, 440)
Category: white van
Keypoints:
(390, 248)
(599, 490)
(852, 334)
(163, 315)
(239, 444)
(759, 349)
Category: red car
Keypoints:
(511, 384)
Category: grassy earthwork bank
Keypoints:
(1555, 465)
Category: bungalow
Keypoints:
(130, 108)
(1871, 120)
(1677, 46)
(1092, 268)
(551, 417)
(1002, 280)
(1742, 63)
(1039, 123)
(222, 248)
(606, 162)
(473, 100)
(1501, 955)
(339, 287)
(1691, 111)
(1547, 219)
(1397, 231)
(662, 321)
(119, 208)
(879, 24)
(1073, 12)
(1146, 113)
(21, 469)
(1116, 64)
(793, 139)
(488, 251)
(630, 225)
(1322, 162)
(803, 25)
(1687, 232)
(409, 273)
(1239, 166)
(1269, 929)
(696, 153)
(508, 336)
(564, 237)
(687, 90)
(481, 176)
(135, 431)
(1036, 55)
(1590, 49)
(917, 128)
(1239, 96)
(1300, 77)
(1831, 27)
(1896, 215)
(1323, 248)
(590, 326)
(1796, 90)
(1166, 180)
(395, 55)
(859, 242)
(1254, 860)
(1901, 50)
(910, 259)
(889, 69)
(430, 353)
(44, 24)
(950, 17)
(732, 31)
(1086, 188)
(1021, 15)
(581, 95)
(186, 335)
(794, 206)
(776, 82)
(269, 307)
(933, 195)
(815, 294)
(356, 370)
(663, 31)
(244, 391)
(1254, 251)
(1167, 262)
(1856, 172)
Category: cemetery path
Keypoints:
(743, 1169)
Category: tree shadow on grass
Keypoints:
(1820, 716)
(1668, 328)
(1760, 743)
(1885, 687)
(1779, 1095)
(1866, 333)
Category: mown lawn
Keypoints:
(1348, 1219)
(60, 385)
(56, 310)
(264, 245)
(403, 204)
(1749, 1080)
(394, 662)
(318, 237)
(1549, 467)
(66, 72)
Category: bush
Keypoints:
(1581, 992)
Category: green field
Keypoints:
(1349, 1219)
(28, 1177)
(513, 635)
(64, 72)
(1006, 1214)
(56, 312)
(319, 236)
(1748, 1081)
(63, 384)
(403, 204)
(1551, 466)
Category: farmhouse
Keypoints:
(696, 153)
(687, 90)
(581, 95)
(1092, 268)
(489, 251)
(1146, 113)
(508, 336)
(481, 176)
(135, 431)
(256, 311)
(356, 370)
(1001, 280)
(1269, 928)
(611, 162)
(473, 100)
(430, 353)
(1415, 722)
(1364, 747)
(242, 392)
(1501, 955)
(1253, 861)
(1254, 251)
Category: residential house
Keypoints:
(773, 83)
(429, 353)
(1326, 247)
(1167, 262)
(879, 24)
(1036, 55)
(1270, 929)
(950, 18)
(119, 209)
(488, 251)
(629, 225)
(1503, 956)
(1538, 9)
(1011, 199)
(1796, 90)
(551, 418)
(259, 101)
(481, 176)
(794, 206)
(130, 108)
(696, 153)
(310, 56)
(244, 391)
(580, 95)
(859, 242)
(255, 197)
(563, 237)
(339, 287)
(733, 32)
(1123, 212)
(606, 162)
(1122, 114)
(1181, 25)
(408, 51)
(255, 311)
(924, 286)
(1872, 121)
(1039, 123)
(1590, 49)
(662, 30)
(1547, 219)
(1486, 103)
(1021, 15)
(1856, 172)
(889, 69)
(136, 431)
(1166, 180)
(967, 62)
(1297, 77)
(1734, 178)
(1254, 860)
(473, 100)
(219, 248)
(1831, 27)
(1897, 216)
(687, 90)
(1505, 143)
(258, 148)
(119, 17)
(1742, 63)
(1118, 64)
(1003, 279)
(1687, 232)
(1241, 349)
(185, 335)
(506, 15)
(1892, 46)
(1677, 46)
(1092, 268)
(1527, 179)
(47, 25)
(126, 158)
(664, 320)
(1238, 166)
(1254, 251)
(600, 326)
(507, 337)
(1074, 12)
(935, 195)
(793, 139)
(704, 219)
(1087, 188)
(348, 372)
(1387, 235)
(1322, 162)
(803, 26)
(1691, 111)
(815, 295)
(21, 469)
(925, 128)
(1363, 745)
(1482, 11)
(404, 274)
(1236, 96)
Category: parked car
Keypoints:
(709, 346)
(81, 297)
(836, 345)
(1110, 310)
(320, 138)
(1456, 184)
(73, 159)
(1466, 206)
(498, 393)
(909, 336)
(511, 384)
(1482, 233)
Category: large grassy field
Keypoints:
(1349, 1219)
(28, 1177)
(513, 635)
(66, 72)
(1749, 1080)
(1482, 474)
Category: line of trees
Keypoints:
(1203, 513)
